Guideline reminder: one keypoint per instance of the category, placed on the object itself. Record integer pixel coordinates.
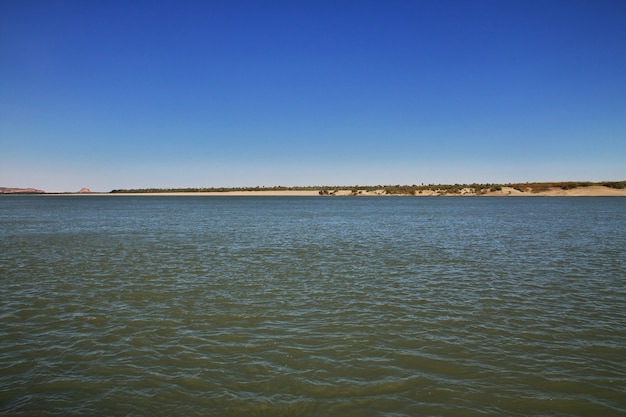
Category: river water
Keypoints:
(312, 306)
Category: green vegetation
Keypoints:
(398, 189)
(538, 187)
(620, 185)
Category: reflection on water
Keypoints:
(312, 306)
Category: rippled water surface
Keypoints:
(235, 306)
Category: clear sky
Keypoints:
(110, 94)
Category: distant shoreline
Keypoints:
(542, 189)
(561, 189)
(588, 192)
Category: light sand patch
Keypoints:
(507, 191)
(591, 191)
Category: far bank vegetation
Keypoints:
(437, 189)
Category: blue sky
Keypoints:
(135, 94)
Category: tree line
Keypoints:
(534, 187)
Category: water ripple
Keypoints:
(312, 307)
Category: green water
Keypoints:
(234, 306)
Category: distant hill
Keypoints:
(9, 190)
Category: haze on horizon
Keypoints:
(113, 94)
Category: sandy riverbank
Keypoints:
(290, 193)
(590, 191)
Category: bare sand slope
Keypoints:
(590, 191)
